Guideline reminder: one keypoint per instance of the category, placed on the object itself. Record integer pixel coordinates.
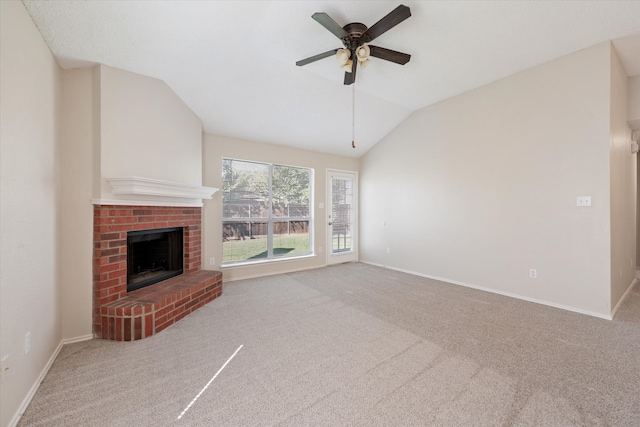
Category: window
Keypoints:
(266, 211)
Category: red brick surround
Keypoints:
(149, 310)
(164, 303)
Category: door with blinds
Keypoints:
(342, 215)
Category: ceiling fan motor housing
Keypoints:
(355, 38)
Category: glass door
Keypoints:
(342, 214)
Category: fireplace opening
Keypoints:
(153, 256)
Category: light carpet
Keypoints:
(356, 345)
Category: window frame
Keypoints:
(271, 219)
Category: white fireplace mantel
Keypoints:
(154, 192)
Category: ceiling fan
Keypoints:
(355, 36)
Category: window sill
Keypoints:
(266, 261)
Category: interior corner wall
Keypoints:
(481, 188)
(76, 211)
(146, 130)
(633, 113)
(623, 187)
(218, 147)
(30, 110)
(96, 174)
(633, 118)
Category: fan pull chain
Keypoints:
(353, 116)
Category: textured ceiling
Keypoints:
(233, 62)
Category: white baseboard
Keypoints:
(32, 392)
(494, 291)
(624, 297)
(78, 339)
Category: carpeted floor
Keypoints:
(356, 345)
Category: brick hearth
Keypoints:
(149, 310)
(125, 316)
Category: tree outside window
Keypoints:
(266, 211)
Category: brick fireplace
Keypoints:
(126, 316)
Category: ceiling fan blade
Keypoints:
(389, 55)
(350, 78)
(395, 17)
(316, 57)
(331, 25)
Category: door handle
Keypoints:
(330, 223)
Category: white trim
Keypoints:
(624, 297)
(125, 202)
(138, 191)
(154, 187)
(78, 339)
(264, 261)
(493, 291)
(34, 388)
(353, 254)
(266, 274)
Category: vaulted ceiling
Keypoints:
(233, 62)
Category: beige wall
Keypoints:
(146, 131)
(623, 187)
(80, 117)
(215, 148)
(633, 114)
(30, 105)
(481, 188)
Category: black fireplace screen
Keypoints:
(153, 256)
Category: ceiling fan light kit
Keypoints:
(343, 56)
(363, 53)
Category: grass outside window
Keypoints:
(256, 248)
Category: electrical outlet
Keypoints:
(533, 273)
(212, 261)
(27, 343)
(319, 249)
(388, 250)
(583, 201)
